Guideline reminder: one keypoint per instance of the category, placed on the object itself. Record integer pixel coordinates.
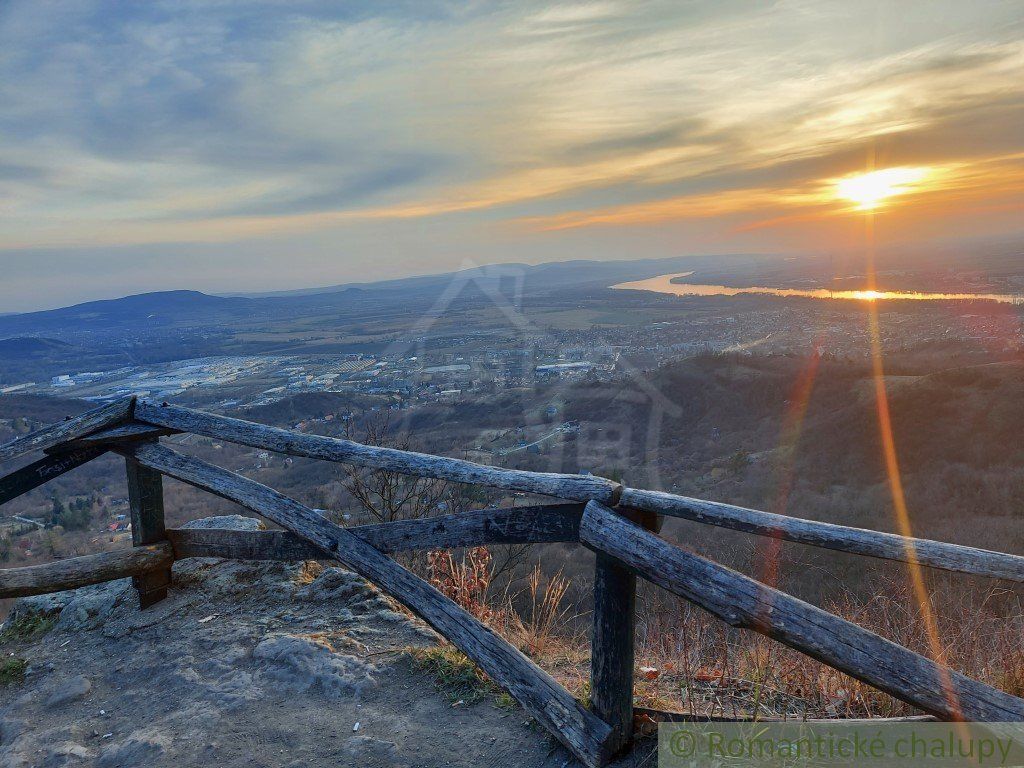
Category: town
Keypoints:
(449, 365)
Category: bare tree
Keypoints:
(384, 495)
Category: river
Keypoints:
(664, 284)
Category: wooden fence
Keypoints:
(619, 524)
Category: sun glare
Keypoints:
(869, 190)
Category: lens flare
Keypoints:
(901, 511)
(870, 190)
(792, 428)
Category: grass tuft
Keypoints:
(12, 671)
(28, 627)
(456, 676)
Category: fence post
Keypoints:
(612, 649)
(146, 499)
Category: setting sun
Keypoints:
(869, 190)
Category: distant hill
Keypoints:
(158, 310)
(28, 346)
(161, 306)
(36, 358)
(538, 278)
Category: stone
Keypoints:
(229, 522)
(74, 609)
(340, 587)
(139, 749)
(299, 664)
(65, 754)
(70, 690)
(89, 607)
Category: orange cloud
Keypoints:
(941, 184)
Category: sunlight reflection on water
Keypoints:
(664, 284)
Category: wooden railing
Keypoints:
(619, 524)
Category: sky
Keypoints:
(230, 147)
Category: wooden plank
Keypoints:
(536, 524)
(541, 524)
(748, 604)
(74, 427)
(146, 502)
(35, 474)
(572, 487)
(841, 538)
(240, 545)
(614, 635)
(612, 648)
(934, 554)
(118, 434)
(579, 730)
(81, 571)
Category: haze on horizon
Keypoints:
(232, 147)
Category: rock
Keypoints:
(39, 669)
(89, 607)
(236, 577)
(299, 664)
(10, 729)
(426, 633)
(71, 690)
(341, 588)
(75, 609)
(139, 749)
(45, 606)
(67, 753)
(230, 522)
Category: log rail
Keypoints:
(619, 524)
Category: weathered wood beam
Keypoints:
(742, 602)
(23, 480)
(540, 695)
(146, 503)
(119, 434)
(563, 486)
(541, 524)
(614, 636)
(535, 524)
(934, 554)
(74, 427)
(612, 648)
(240, 545)
(81, 571)
(841, 538)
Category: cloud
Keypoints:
(227, 122)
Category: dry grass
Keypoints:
(702, 666)
(688, 661)
(541, 626)
(466, 580)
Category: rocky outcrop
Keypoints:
(244, 665)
